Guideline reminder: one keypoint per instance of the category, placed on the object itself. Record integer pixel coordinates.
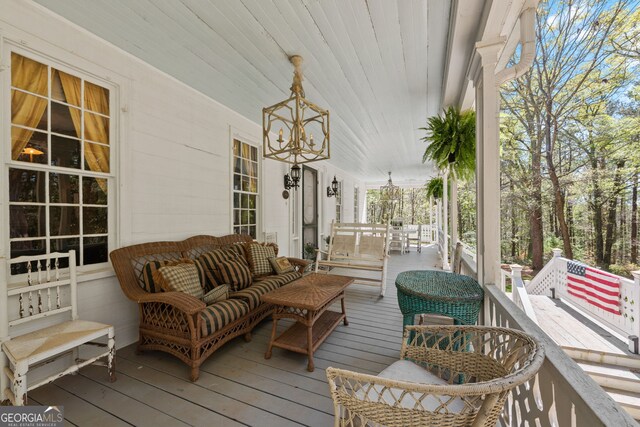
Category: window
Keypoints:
(356, 204)
(339, 203)
(60, 171)
(245, 188)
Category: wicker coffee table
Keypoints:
(306, 301)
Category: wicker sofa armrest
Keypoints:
(298, 263)
(181, 301)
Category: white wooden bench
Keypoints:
(33, 330)
(359, 247)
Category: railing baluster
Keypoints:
(39, 264)
(30, 303)
(39, 301)
(20, 301)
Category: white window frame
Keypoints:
(339, 203)
(245, 139)
(6, 48)
(356, 203)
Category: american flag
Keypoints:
(597, 287)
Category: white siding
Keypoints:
(173, 157)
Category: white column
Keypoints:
(487, 160)
(454, 212)
(445, 221)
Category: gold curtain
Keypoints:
(26, 109)
(95, 127)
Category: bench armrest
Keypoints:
(179, 300)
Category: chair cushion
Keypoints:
(234, 273)
(219, 293)
(280, 279)
(281, 265)
(216, 316)
(258, 255)
(181, 277)
(405, 370)
(252, 294)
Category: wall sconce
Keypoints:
(293, 180)
(333, 190)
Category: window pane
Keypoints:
(94, 220)
(26, 186)
(65, 87)
(236, 182)
(252, 202)
(28, 74)
(96, 98)
(245, 200)
(96, 250)
(28, 110)
(64, 188)
(28, 146)
(252, 217)
(65, 245)
(96, 128)
(64, 220)
(253, 185)
(236, 216)
(65, 119)
(245, 183)
(236, 147)
(94, 191)
(252, 231)
(237, 165)
(27, 221)
(65, 152)
(96, 157)
(254, 154)
(236, 230)
(30, 247)
(236, 200)
(245, 217)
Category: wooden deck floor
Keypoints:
(569, 328)
(237, 386)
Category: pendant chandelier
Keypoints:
(302, 127)
(389, 193)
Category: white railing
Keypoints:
(561, 393)
(554, 276)
(519, 293)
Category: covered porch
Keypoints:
(186, 84)
(238, 386)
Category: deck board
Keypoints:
(237, 385)
(567, 328)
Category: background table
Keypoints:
(439, 292)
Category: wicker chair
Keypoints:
(170, 321)
(475, 367)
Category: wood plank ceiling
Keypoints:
(377, 65)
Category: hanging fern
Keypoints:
(452, 142)
(434, 188)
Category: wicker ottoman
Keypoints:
(438, 292)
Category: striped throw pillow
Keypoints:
(207, 264)
(234, 273)
(220, 293)
(180, 278)
(258, 255)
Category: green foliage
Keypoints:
(624, 270)
(434, 188)
(452, 141)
